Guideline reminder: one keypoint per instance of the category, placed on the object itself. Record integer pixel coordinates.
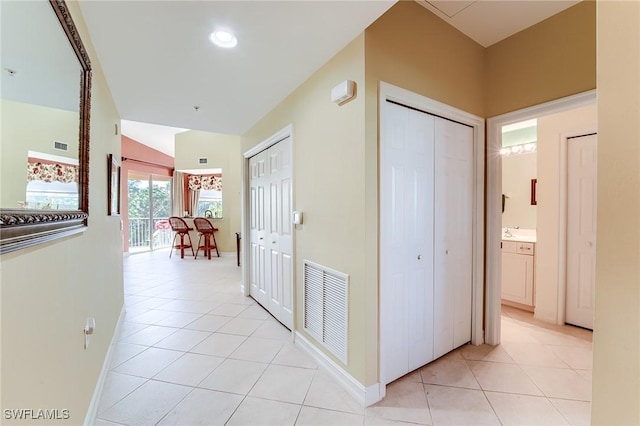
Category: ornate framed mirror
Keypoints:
(44, 184)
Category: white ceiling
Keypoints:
(44, 67)
(159, 63)
(490, 21)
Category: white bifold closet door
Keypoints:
(425, 248)
(271, 239)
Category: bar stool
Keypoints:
(206, 231)
(180, 227)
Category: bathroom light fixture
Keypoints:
(528, 148)
(224, 39)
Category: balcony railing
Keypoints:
(139, 233)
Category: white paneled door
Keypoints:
(581, 229)
(453, 220)
(426, 166)
(407, 175)
(271, 239)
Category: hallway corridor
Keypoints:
(193, 351)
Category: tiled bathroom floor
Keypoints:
(194, 351)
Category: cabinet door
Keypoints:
(517, 278)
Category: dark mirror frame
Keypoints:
(21, 228)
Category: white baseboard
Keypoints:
(365, 395)
(92, 412)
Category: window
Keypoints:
(210, 201)
(209, 190)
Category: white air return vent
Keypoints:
(203, 160)
(61, 146)
(326, 307)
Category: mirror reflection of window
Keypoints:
(52, 195)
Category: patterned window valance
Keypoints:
(51, 172)
(205, 182)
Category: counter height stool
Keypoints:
(180, 227)
(206, 231)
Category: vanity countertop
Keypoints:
(520, 238)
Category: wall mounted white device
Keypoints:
(343, 91)
(297, 217)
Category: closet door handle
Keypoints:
(419, 256)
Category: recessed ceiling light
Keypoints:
(224, 39)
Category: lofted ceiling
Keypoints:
(160, 65)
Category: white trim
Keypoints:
(364, 395)
(281, 134)
(92, 411)
(494, 191)
(414, 100)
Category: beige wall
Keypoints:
(616, 347)
(47, 292)
(412, 48)
(550, 60)
(517, 172)
(550, 130)
(19, 136)
(223, 152)
(329, 173)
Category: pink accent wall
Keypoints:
(134, 150)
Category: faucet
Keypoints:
(507, 232)
(208, 213)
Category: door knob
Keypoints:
(419, 256)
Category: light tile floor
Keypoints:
(194, 351)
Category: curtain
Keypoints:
(194, 197)
(51, 172)
(177, 198)
(211, 182)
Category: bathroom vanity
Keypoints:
(518, 275)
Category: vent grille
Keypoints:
(203, 160)
(61, 146)
(326, 307)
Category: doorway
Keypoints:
(149, 208)
(550, 298)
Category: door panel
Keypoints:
(581, 229)
(453, 230)
(406, 241)
(273, 230)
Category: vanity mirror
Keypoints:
(46, 89)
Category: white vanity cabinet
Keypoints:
(518, 280)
